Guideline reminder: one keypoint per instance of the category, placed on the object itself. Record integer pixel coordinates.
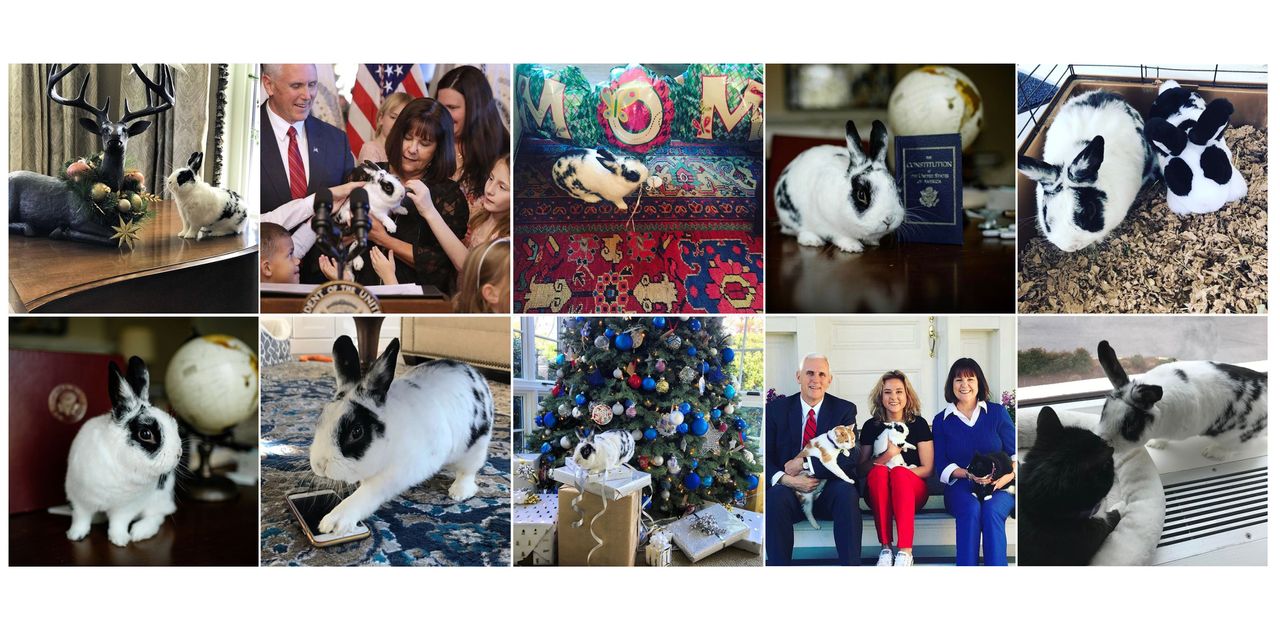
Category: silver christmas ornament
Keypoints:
(602, 342)
(617, 408)
(687, 375)
(565, 443)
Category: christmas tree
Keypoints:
(670, 383)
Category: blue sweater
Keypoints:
(955, 442)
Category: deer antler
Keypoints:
(56, 74)
(162, 89)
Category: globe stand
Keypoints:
(205, 485)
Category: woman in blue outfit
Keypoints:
(970, 425)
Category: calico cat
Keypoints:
(993, 466)
(827, 447)
(1065, 477)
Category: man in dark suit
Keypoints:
(300, 154)
(790, 423)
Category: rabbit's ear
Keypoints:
(879, 142)
(1212, 123)
(1084, 169)
(1041, 172)
(378, 380)
(123, 400)
(1111, 365)
(1165, 137)
(853, 142)
(1146, 395)
(346, 363)
(139, 378)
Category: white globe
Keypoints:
(212, 383)
(934, 100)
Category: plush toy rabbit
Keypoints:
(602, 452)
(1194, 158)
(205, 210)
(592, 175)
(1180, 400)
(123, 463)
(1096, 159)
(841, 196)
(391, 435)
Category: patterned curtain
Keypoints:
(176, 133)
(42, 134)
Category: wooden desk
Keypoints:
(197, 534)
(163, 273)
(272, 303)
(976, 277)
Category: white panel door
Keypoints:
(862, 348)
(316, 333)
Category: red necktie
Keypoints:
(810, 429)
(297, 172)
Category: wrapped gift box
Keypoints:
(615, 484)
(534, 528)
(698, 545)
(754, 542)
(619, 527)
(523, 463)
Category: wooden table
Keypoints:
(163, 273)
(976, 277)
(197, 534)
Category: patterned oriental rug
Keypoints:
(692, 248)
(422, 527)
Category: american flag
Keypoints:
(373, 83)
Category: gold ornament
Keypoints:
(99, 192)
(126, 232)
(663, 386)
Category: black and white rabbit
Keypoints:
(840, 195)
(1066, 475)
(895, 432)
(1180, 400)
(592, 175)
(206, 210)
(1096, 159)
(389, 434)
(123, 463)
(602, 452)
(990, 466)
(386, 197)
(1197, 165)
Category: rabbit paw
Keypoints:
(849, 244)
(78, 531)
(118, 537)
(337, 521)
(144, 528)
(358, 263)
(463, 488)
(810, 239)
(1157, 443)
(389, 224)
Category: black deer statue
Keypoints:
(41, 205)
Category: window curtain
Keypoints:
(43, 134)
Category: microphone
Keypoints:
(323, 211)
(359, 203)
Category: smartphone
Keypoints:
(311, 507)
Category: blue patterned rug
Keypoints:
(422, 527)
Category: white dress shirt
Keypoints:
(291, 213)
(280, 129)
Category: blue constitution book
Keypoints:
(928, 174)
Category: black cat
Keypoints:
(1065, 476)
(989, 465)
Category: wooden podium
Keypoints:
(163, 273)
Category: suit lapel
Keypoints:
(827, 417)
(314, 157)
(795, 428)
(274, 179)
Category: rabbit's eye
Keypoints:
(147, 436)
(356, 433)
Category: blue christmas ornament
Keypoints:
(586, 433)
(596, 379)
(699, 427)
(707, 481)
(738, 496)
(560, 359)
(628, 403)
(609, 332)
(682, 428)
(538, 420)
(650, 434)
(692, 481)
(715, 376)
(740, 423)
(752, 482)
(685, 407)
(623, 342)
(545, 448)
(693, 464)
(649, 384)
(727, 355)
(580, 399)
(549, 419)
(691, 351)
(715, 414)
(659, 322)
(695, 324)
(697, 415)
(730, 392)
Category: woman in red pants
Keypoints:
(895, 470)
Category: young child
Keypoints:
(278, 262)
(484, 283)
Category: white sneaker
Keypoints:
(903, 559)
(886, 558)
